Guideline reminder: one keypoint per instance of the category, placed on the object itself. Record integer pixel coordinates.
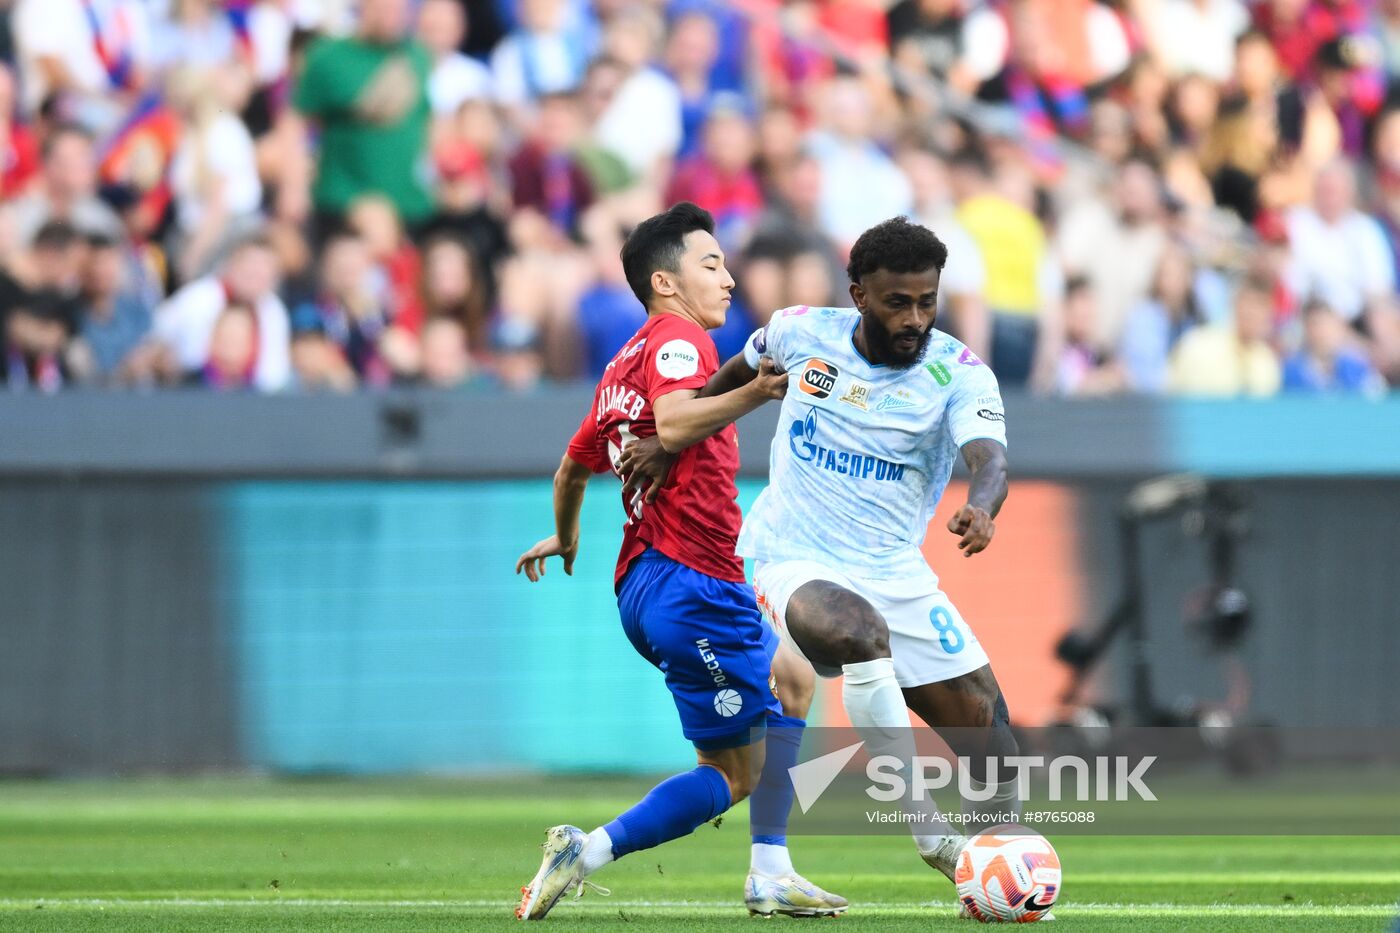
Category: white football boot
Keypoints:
(944, 857)
(561, 871)
(790, 895)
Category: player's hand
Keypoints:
(975, 526)
(771, 382)
(532, 561)
(644, 466)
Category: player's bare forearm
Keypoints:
(733, 374)
(570, 481)
(985, 494)
(986, 459)
(684, 418)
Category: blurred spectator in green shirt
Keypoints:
(369, 95)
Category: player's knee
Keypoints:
(740, 777)
(999, 740)
(864, 639)
(1003, 737)
(985, 739)
(834, 626)
(741, 768)
(741, 785)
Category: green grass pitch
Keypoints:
(427, 855)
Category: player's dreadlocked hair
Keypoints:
(658, 243)
(896, 246)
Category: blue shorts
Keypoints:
(706, 636)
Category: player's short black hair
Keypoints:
(658, 243)
(896, 246)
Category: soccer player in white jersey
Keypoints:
(879, 404)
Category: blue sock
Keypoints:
(670, 810)
(772, 798)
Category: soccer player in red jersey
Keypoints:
(682, 595)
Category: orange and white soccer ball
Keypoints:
(1008, 874)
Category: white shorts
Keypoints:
(929, 640)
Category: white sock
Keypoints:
(872, 696)
(598, 851)
(773, 861)
(875, 705)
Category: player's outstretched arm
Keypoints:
(986, 492)
(570, 481)
(684, 418)
(734, 373)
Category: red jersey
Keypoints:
(695, 519)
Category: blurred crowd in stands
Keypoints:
(1153, 196)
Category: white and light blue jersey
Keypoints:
(863, 451)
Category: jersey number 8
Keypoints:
(948, 635)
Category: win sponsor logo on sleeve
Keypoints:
(818, 378)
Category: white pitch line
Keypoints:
(1302, 907)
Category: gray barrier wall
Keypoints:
(116, 651)
(424, 433)
(410, 433)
